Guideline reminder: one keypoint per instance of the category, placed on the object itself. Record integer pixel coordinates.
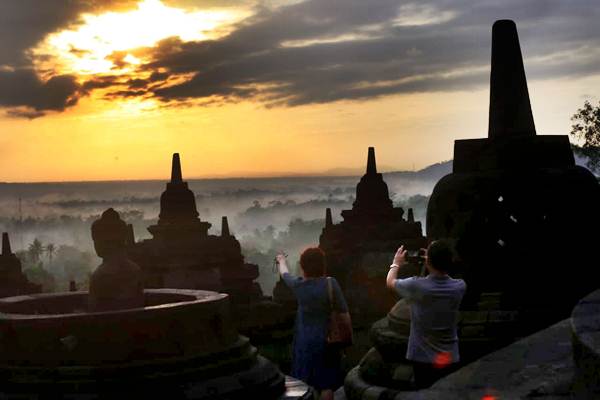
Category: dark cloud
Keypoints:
(23, 24)
(320, 51)
(126, 93)
(22, 88)
(99, 83)
(203, 4)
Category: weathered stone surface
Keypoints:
(585, 323)
(539, 366)
(182, 343)
(480, 332)
(296, 390)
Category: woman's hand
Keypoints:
(282, 263)
(281, 259)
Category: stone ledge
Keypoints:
(585, 324)
(540, 365)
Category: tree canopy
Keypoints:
(586, 130)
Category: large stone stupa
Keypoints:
(360, 248)
(525, 221)
(525, 217)
(182, 254)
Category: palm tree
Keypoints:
(50, 250)
(35, 250)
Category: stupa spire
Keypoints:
(6, 251)
(371, 163)
(225, 227)
(411, 216)
(176, 176)
(328, 218)
(510, 108)
(130, 235)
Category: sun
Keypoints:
(87, 48)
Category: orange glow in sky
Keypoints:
(86, 49)
(112, 131)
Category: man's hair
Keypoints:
(440, 255)
(312, 261)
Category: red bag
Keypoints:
(339, 332)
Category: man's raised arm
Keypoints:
(399, 262)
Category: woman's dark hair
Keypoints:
(312, 261)
(440, 255)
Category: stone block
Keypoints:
(473, 317)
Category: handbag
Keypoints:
(339, 332)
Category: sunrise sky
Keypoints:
(102, 90)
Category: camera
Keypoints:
(414, 256)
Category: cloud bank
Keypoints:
(315, 51)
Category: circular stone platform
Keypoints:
(182, 343)
(585, 323)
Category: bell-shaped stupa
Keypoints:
(359, 248)
(12, 279)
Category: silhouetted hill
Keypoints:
(439, 170)
(433, 172)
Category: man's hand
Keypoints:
(400, 257)
(399, 261)
(423, 254)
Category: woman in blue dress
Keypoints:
(313, 361)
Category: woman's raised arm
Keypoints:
(282, 264)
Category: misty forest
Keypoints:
(50, 222)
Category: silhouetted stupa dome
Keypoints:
(372, 192)
(177, 202)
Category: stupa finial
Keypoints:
(130, 235)
(371, 163)
(411, 216)
(6, 251)
(176, 169)
(328, 218)
(510, 108)
(225, 227)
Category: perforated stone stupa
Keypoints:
(522, 212)
(524, 218)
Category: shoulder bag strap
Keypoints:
(330, 292)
